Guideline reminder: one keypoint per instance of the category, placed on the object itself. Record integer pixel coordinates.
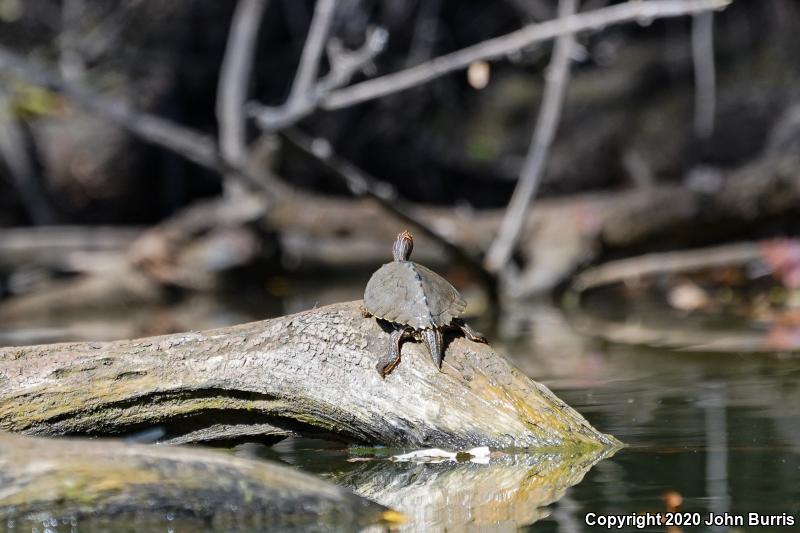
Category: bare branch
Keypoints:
(513, 42)
(549, 113)
(235, 77)
(344, 64)
(361, 183)
(704, 75)
(307, 91)
(300, 101)
(312, 51)
(194, 146)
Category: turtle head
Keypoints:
(403, 246)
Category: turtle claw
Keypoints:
(364, 312)
(470, 333)
(434, 341)
(386, 364)
(384, 368)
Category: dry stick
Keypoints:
(301, 101)
(513, 42)
(704, 75)
(549, 113)
(667, 263)
(362, 184)
(194, 146)
(343, 65)
(313, 48)
(235, 78)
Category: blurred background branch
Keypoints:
(514, 42)
(307, 105)
(234, 80)
(557, 78)
(704, 73)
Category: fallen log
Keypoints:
(100, 485)
(559, 237)
(70, 248)
(311, 374)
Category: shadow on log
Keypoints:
(121, 487)
(508, 493)
(311, 374)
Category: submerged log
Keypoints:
(103, 485)
(311, 373)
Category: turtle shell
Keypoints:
(408, 293)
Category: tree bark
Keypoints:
(311, 373)
(105, 484)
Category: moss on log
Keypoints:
(116, 486)
(311, 373)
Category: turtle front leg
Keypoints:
(470, 333)
(387, 363)
(434, 341)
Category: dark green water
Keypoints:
(722, 431)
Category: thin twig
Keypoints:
(704, 74)
(361, 183)
(194, 146)
(234, 79)
(305, 97)
(344, 64)
(513, 42)
(549, 112)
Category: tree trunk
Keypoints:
(311, 373)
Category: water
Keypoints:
(716, 432)
(720, 431)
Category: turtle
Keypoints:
(417, 302)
